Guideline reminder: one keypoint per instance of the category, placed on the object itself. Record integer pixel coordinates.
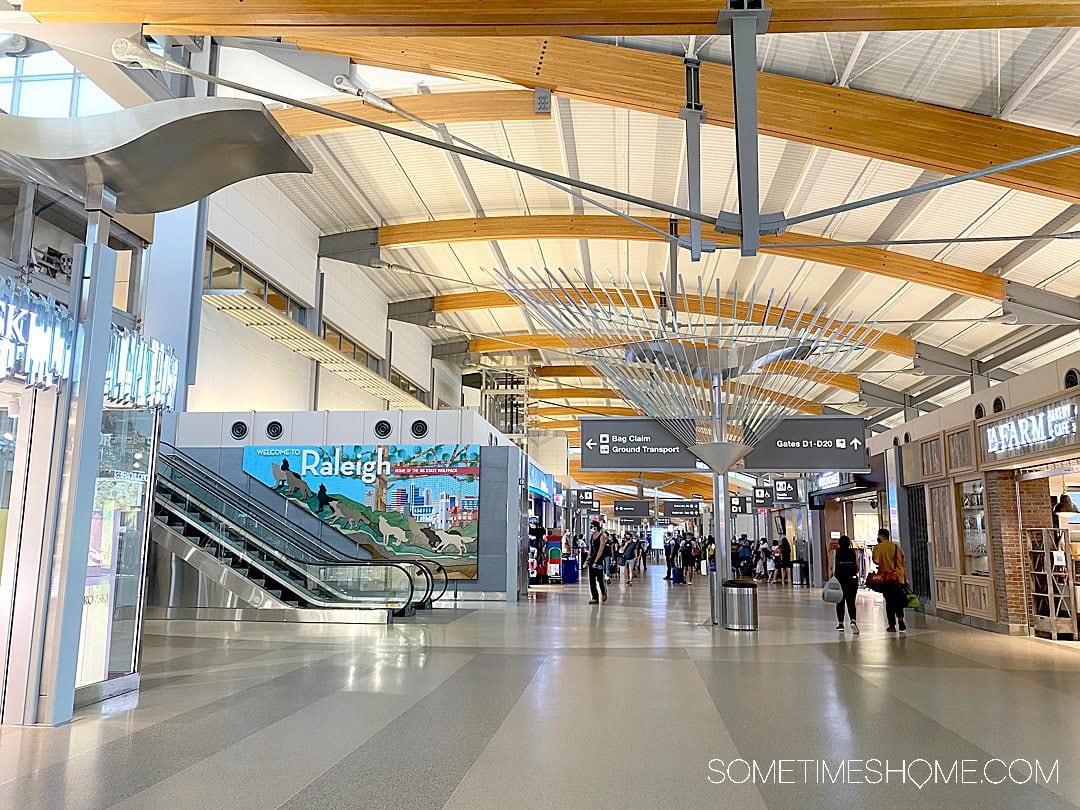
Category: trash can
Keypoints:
(800, 573)
(740, 605)
(570, 570)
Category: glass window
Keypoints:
(332, 336)
(92, 100)
(45, 63)
(251, 283)
(298, 312)
(225, 272)
(347, 346)
(6, 89)
(207, 260)
(973, 529)
(47, 98)
(7, 65)
(276, 298)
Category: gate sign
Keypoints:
(763, 497)
(632, 443)
(812, 444)
(786, 490)
(741, 505)
(632, 509)
(680, 509)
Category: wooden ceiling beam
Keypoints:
(872, 260)
(574, 393)
(435, 108)
(796, 369)
(882, 341)
(875, 126)
(596, 410)
(563, 17)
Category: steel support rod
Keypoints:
(936, 184)
(719, 510)
(744, 85)
(435, 143)
(693, 115)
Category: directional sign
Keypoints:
(632, 443)
(812, 443)
(740, 504)
(632, 509)
(763, 497)
(582, 499)
(786, 490)
(680, 509)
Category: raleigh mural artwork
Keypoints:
(398, 500)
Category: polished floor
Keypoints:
(556, 703)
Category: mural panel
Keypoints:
(398, 500)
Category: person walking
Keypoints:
(598, 546)
(687, 560)
(785, 561)
(669, 555)
(846, 571)
(889, 559)
(629, 558)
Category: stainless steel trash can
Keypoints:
(800, 573)
(740, 605)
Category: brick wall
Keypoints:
(1003, 530)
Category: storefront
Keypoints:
(851, 504)
(86, 491)
(990, 490)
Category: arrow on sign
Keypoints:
(856, 443)
(590, 444)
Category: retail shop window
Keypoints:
(973, 525)
(999, 404)
(1072, 378)
(980, 411)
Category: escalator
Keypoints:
(267, 566)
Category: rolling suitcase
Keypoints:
(676, 576)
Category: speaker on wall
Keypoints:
(383, 427)
(236, 428)
(272, 428)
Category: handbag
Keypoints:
(913, 602)
(875, 581)
(832, 593)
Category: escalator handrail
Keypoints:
(286, 527)
(295, 560)
(302, 592)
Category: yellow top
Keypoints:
(888, 556)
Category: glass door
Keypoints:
(116, 561)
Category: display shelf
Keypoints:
(1052, 578)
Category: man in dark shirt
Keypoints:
(598, 542)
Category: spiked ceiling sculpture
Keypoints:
(720, 384)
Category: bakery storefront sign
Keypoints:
(1038, 430)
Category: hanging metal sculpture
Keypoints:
(720, 373)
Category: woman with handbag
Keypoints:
(889, 559)
(846, 571)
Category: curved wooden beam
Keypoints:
(564, 17)
(724, 307)
(845, 382)
(839, 380)
(875, 261)
(435, 108)
(874, 126)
